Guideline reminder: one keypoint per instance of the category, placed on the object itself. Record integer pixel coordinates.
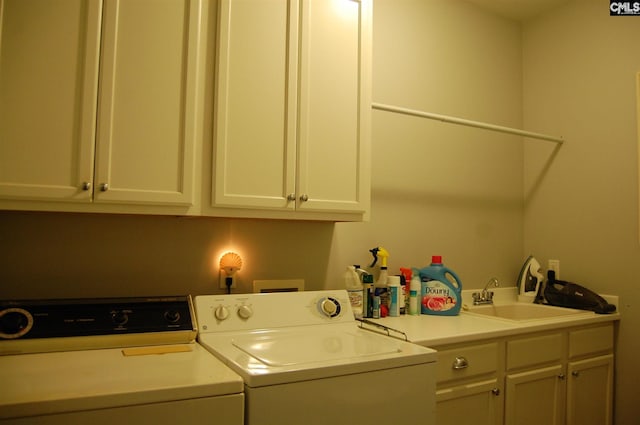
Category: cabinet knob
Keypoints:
(104, 187)
(304, 198)
(561, 376)
(291, 197)
(86, 186)
(495, 391)
(575, 373)
(460, 363)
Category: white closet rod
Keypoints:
(468, 123)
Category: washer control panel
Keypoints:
(31, 319)
(217, 313)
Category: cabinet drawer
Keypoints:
(467, 361)
(590, 340)
(534, 350)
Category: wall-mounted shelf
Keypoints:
(468, 123)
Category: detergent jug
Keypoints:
(439, 295)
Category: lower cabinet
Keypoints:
(473, 403)
(535, 379)
(468, 384)
(589, 391)
(561, 377)
(535, 397)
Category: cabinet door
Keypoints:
(256, 102)
(147, 112)
(535, 397)
(48, 87)
(478, 403)
(590, 391)
(335, 105)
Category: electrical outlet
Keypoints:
(223, 281)
(555, 266)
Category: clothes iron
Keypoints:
(529, 280)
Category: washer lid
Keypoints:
(297, 348)
(279, 356)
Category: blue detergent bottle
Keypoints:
(440, 289)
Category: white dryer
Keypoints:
(107, 361)
(304, 360)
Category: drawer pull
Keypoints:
(460, 363)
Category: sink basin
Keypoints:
(523, 311)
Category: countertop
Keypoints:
(430, 330)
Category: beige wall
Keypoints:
(580, 69)
(437, 188)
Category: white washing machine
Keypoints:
(106, 361)
(304, 360)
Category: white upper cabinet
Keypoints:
(292, 110)
(48, 86)
(98, 101)
(147, 116)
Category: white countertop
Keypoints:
(430, 330)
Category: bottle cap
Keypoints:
(436, 259)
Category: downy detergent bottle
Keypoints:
(440, 289)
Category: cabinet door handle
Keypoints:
(86, 185)
(304, 198)
(104, 187)
(460, 363)
(561, 376)
(291, 197)
(495, 391)
(575, 373)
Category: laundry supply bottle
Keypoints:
(414, 295)
(380, 285)
(440, 289)
(405, 279)
(368, 293)
(383, 255)
(393, 282)
(355, 290)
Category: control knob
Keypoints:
(172, 316)
(221, 312)
(120, 318)
(15, 322)
(245, 311)
(330, 307)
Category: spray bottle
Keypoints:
(382, 254)
(380, 285)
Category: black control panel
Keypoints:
(102, 316)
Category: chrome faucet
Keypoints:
(486, 296)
